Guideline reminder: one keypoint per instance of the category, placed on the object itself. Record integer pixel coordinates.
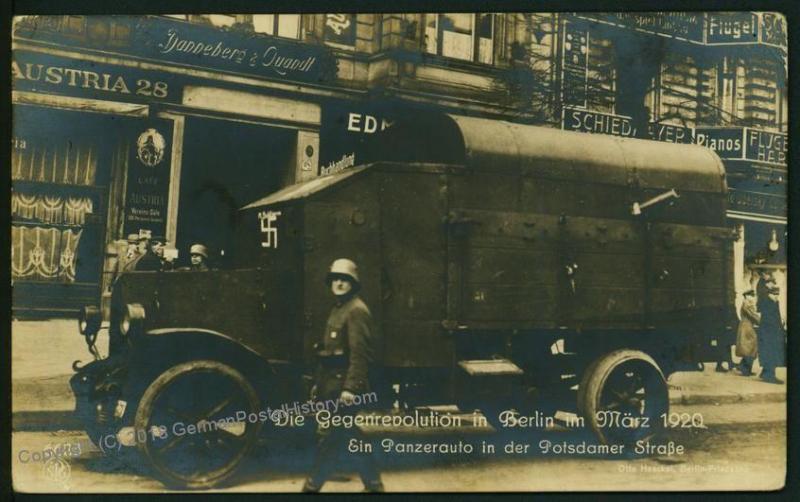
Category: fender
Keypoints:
(161, 348)
(162, 332)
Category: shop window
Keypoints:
(281, 25)
(468, 37)
(54, 196)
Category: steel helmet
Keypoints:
(199, 249)
(345, 267)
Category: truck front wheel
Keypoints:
(196, 422)
(622, 397)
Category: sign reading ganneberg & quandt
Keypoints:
(744, 143)
(195, 45)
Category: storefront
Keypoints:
(122, 126)
(756, 163)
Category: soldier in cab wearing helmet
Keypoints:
(198, 254)
(347, 362)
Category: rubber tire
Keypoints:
(595, 377)
(144, 411)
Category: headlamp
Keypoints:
(133, 318)
(89, 320)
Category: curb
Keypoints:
(689, 399)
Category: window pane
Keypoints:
(485, 29)
(460, 23)
(457, 45)
(430, 33)
(289, 25)
(485, 47)
(264, 23)
(221, 20)
(485, 25)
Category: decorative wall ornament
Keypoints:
(51, 208)
(150, 147)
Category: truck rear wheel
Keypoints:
(622, 396)
(196, 422)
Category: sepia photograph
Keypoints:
(414, 252)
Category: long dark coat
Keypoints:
(770, 333)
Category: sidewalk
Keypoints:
(42, 353)
(710, 387)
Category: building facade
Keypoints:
(169, 124)
(715, 79)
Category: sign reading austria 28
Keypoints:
(39, 72)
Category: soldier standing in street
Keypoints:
(347, 360)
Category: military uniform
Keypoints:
(347, 360)
(348, 350)
(770, 334)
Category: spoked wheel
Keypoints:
(622, 397)
(199, 420)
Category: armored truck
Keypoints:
(508, 267)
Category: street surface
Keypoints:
(743, 447)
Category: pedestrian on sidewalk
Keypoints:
(770, 331)
(347, 358)
(746, 336)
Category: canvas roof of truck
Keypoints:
(545, 152)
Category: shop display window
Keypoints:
(51, 200)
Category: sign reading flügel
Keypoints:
(765, 146)
(620, 125)
(731, 27)
(727, 28)
(744, 143)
